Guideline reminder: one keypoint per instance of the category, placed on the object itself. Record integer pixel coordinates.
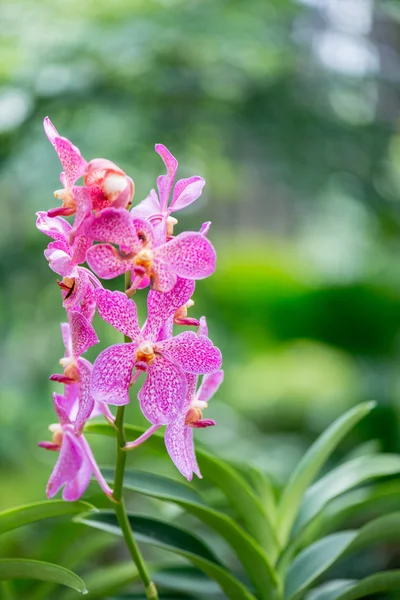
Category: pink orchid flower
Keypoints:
(78, 336)
(76, 463)
(165, 362)
(189, 255)
(105, 184)
(155, 207)
(179, 434)
(78, 283)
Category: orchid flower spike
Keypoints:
(165, 362)
(78, 335)
(76, 463)
(105, 184)
(189, 255)
(155, 207)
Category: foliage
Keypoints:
(294, 563)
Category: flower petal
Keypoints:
(66, 337)
(165, 182)
(72, 470)
(88, 303)
(209, 385)
(189, 255)
(180, 446)
(77, 294)
(163, 393)
(111, 374)
(163, 305)
(86, 400)
(193, 353)
(83, 206)
(147, 207)
(163, 277)
(82, 334)
(73, 163)
(62, 408)
(59, 260)
(107, 262)
(113, 225)
(55, 227)
(186, 191)
(118, 310)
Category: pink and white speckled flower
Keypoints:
(78, 336)
(164, 362)
(179, 433)
(76, 464)
(155, 207)
(105, 184)
(189, 255)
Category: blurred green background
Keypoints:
(289, 110)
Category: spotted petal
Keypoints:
(163, 393)
(82, 334)
(86, 400)
(180, 446)
(189, 255)
(83, 206)
(193, 353)
(70, 157)
(163, 277)
(113, 225)
(111, 374)
(161, 306)
(186, 191)
(210, 385)
(118, 310)
(107, 262)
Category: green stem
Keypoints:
(119, 505)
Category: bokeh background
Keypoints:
(290, 111)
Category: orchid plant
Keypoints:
(285, 540)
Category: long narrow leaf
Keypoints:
(177, 540)
(351, 589)
(342, 479)
(236, 489)
(106, 580)
(30, 513)
(364, 502)
(317, 558)
(35, 569)
(310, 465)
(250, 554)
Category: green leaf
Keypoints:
(354, 590)
(185, 578)
(342, 479)
(383, 497)
(317, 558)
(76, 554)
(311, 463)
(43, 571)
(177, 540)
(30, 513)
(107, 580)
(236, 489)
(250, 554)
